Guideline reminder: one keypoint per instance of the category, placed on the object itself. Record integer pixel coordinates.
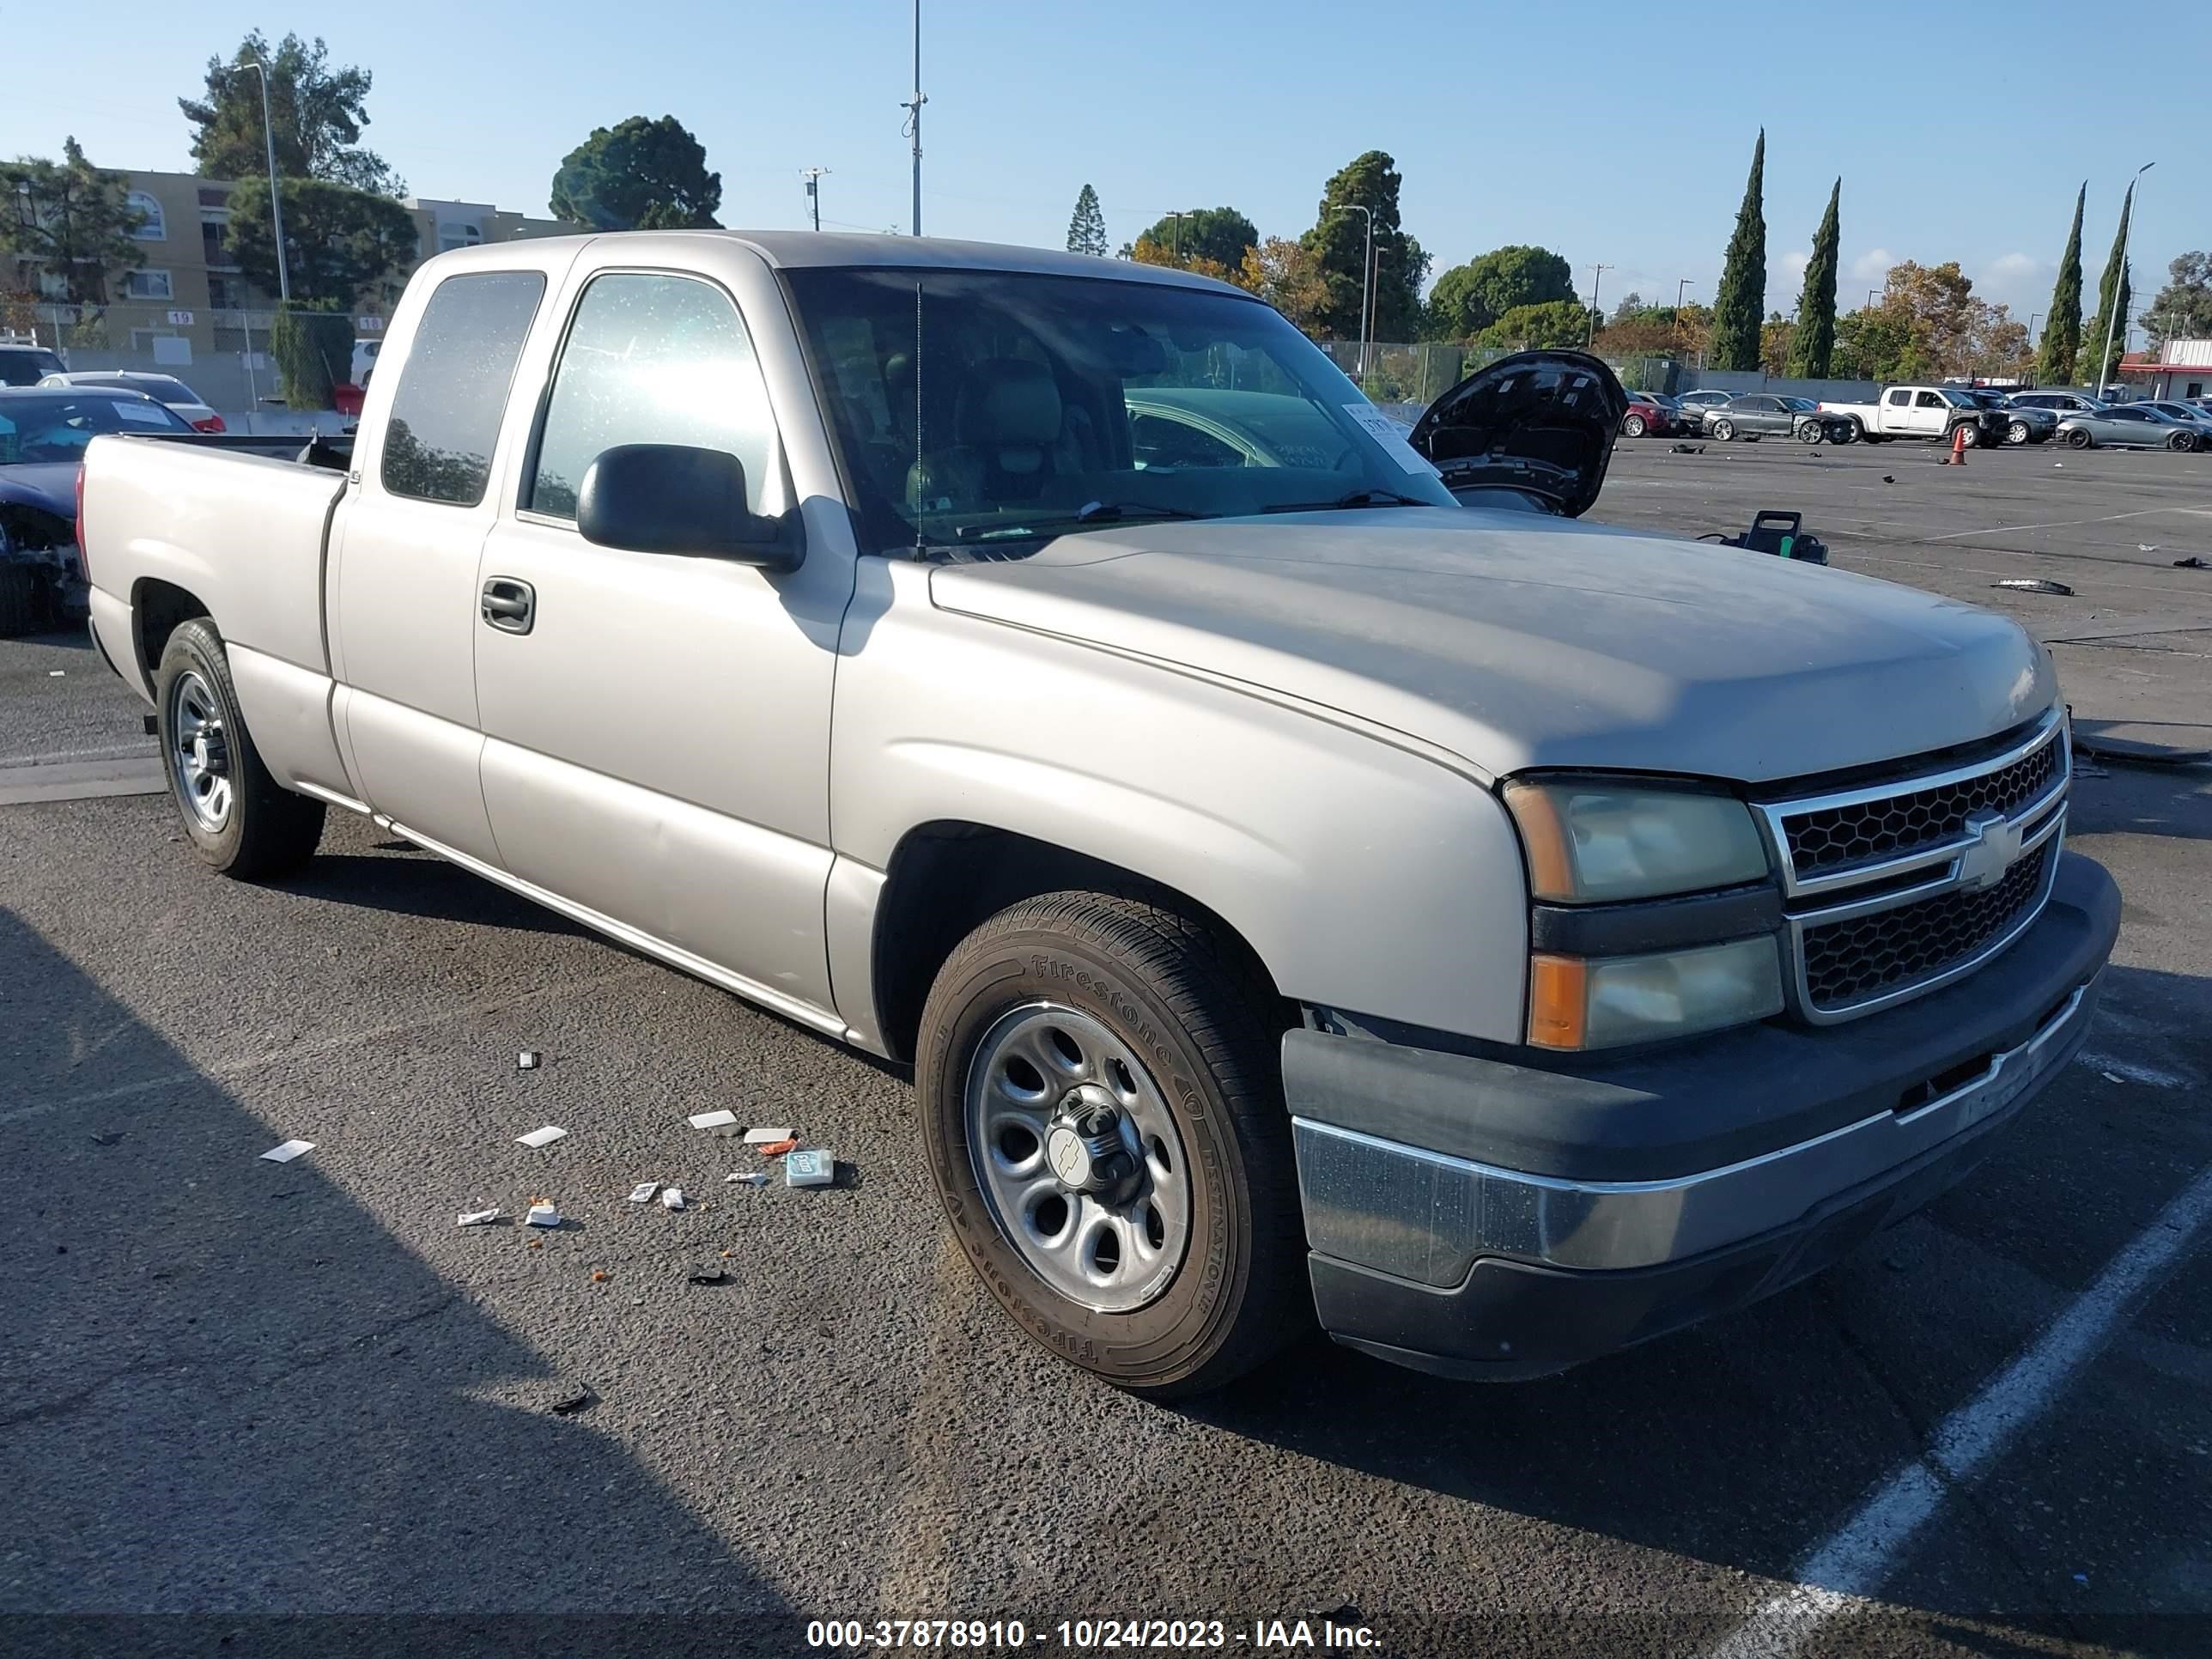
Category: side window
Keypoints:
(1900, 399)
(1928, 400)
(652, 359)
(452, 391)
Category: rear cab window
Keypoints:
(445, 419)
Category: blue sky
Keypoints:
(1608, 132)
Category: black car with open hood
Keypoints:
(1538, 425)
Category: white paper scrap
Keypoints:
(672, 1199)
(544, 1137)
(643, 1192)
(766, 1136)
(714, 1119)
(750, 1177)
(477, 1219)
(289, 1151)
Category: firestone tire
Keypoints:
(1196, 1016)
(240, 821)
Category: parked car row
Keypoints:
(1983, 416)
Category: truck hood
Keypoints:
(1514, 640)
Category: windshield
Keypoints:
(981, 407)
(59, 426)
(22, 367)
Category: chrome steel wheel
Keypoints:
(199, 751)
(1077, 1157)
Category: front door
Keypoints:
(657, 725)
(1930, 414)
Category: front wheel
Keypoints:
(1101, 1106)
(1809, 432)
(1724, 431)
(239, 819)
(2078, 438)
(2016, 433)
(1969, 437)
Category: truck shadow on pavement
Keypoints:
(230, 1390)
(408, 883)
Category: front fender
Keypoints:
(1366, 874)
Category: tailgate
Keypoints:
(242, 534)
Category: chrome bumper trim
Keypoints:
(1426, 1216)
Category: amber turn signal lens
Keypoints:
(1559, 1001)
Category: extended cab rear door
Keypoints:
(403, 587)
(657, 724)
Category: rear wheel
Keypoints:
(1724, 431)
(1633, 427)
(240, 820)
(1102, 1105)
(2184, 441)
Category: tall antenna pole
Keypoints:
(813, 178)
(913, 117)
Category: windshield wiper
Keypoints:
(1356, 498)
(1093, 513)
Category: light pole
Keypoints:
(1174, 236)
(1366, 275)
(2112, 322)
(1596, 278)
(813, 178)
(1870, 297)
(913, 117)
(276, 209)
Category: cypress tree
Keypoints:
(2113, 295)
(1086, 230)
(1739, 306)
(1813, 346)
(2061, 333)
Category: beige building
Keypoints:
(185, 303)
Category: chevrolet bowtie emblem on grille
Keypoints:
(1990, 853)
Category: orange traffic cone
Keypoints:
(1957, 445)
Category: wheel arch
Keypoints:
(158, 608)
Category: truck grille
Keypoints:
(1847, 963)
(1834, 838)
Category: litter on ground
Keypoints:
(750, 1177)
(708, 1274)
(811, 1168)
(766, 1136)
(543, 1214)
(476, 1217)
(527, 1061)
(574, 1400)
(2035, 585)
(714, 1119)
(287, 1151)
(672, 1199)
(2192, 562)
(643, 1192)
(544, 1137)
(778, 1148)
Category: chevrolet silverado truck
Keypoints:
(1312, 876)
(1943, 412)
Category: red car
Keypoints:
(1647, 417)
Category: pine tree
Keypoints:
(1740, 307)
(1813, 346)
(2062, 331)
(2114, 291)
(1086, 231)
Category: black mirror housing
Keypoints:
(671, 498)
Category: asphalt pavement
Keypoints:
(232, 1389)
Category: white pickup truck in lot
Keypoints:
(1923, 411)
(1300, 888)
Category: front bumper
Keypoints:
(1482, 1217)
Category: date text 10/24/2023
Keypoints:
(1093, 1635)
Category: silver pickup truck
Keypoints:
(1308, 872)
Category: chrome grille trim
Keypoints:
(1840, 895)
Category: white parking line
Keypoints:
(2063, 524)
(1853, 1562)
(2134, 1070)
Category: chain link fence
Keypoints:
(1411, 375)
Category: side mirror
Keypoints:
(670, 498)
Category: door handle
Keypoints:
(508, 606)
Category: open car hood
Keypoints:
(1541, 423)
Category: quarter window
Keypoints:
(452, 390)
(652, 359)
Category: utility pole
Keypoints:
(813, 178)
(1870, 295)
(1366, 277)
(1596, 278)
(1176, 236)
(1678, 288)
(913, 117)
(275, 210)
(2104, 363)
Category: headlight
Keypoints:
(1578, 1004)
(1591, 843)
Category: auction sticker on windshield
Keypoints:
(1392, 436)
